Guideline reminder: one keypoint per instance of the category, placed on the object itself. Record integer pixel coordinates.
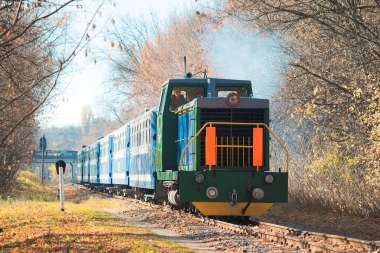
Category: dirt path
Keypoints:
(164, 233)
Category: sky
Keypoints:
(84, 86)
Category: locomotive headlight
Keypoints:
(269, 179)
(212, 192)
(258, 193)
(199, 177)
(233, 99)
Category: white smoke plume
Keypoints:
(238, 52)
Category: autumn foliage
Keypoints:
(326, 108)
(330, 98)
(28, 74)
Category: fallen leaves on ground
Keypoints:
(31, 226)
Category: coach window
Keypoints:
(149, 131)
(142, 133)
(135, 137)
(138, 135)
(132, 141)
(146, 132)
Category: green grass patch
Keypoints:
(29, 187)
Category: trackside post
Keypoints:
(60, 166)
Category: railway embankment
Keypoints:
(292, 230)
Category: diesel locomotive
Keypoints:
(205, 147)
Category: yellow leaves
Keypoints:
(357, 93)
(373, 105)
(300, 121)
(308, 110)
(315, 91)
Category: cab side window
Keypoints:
(162, 100)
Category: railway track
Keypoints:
(290, 238)
(300, 239)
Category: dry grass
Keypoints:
(37, 225)
(318, 220)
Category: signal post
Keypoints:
(60, 166)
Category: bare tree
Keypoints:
(32, 58)
(86, 119)
(148, 52)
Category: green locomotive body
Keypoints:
(212, 152)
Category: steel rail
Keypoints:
(296, 238)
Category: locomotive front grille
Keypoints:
(230, 134)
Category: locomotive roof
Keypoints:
(206, 80)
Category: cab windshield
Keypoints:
(224, 91)
(184, 94)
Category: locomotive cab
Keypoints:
(213, 149)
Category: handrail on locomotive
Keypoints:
(235, 146)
